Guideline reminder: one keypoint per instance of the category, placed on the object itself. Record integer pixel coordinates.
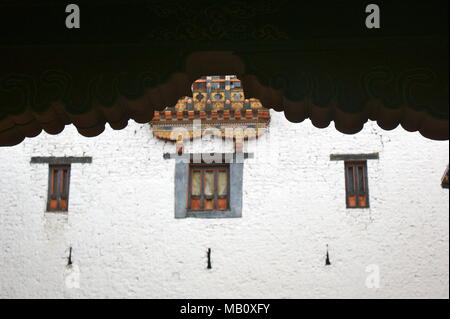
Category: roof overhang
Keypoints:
(308, 60)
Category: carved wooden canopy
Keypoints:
(310, 59)
(218, 106)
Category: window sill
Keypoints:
(212, 214)
(57, 212)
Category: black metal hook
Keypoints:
(209, 258)
(327, 260)
(69, 260)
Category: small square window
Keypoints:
(356, 183)
(208, 187)
(58, 188)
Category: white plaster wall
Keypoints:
(127, 243)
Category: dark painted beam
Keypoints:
(354, 157)
(61, 160)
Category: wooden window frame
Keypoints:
(444, 180)
(203, 168)
(356, 187)
(61, 193)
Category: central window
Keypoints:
(209, 187)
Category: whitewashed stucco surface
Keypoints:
(127, 243)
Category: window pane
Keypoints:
(196, 183)
(222, 203)
(350, 180)
(361, 180)
(352, 201)
(53, 204)
(54, 182)
(362, 201)
(63, 204)
(209, 183)
(222, 183)
(195, 203)
(209, 204)
(63, 182)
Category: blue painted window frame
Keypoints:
(182, 186)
